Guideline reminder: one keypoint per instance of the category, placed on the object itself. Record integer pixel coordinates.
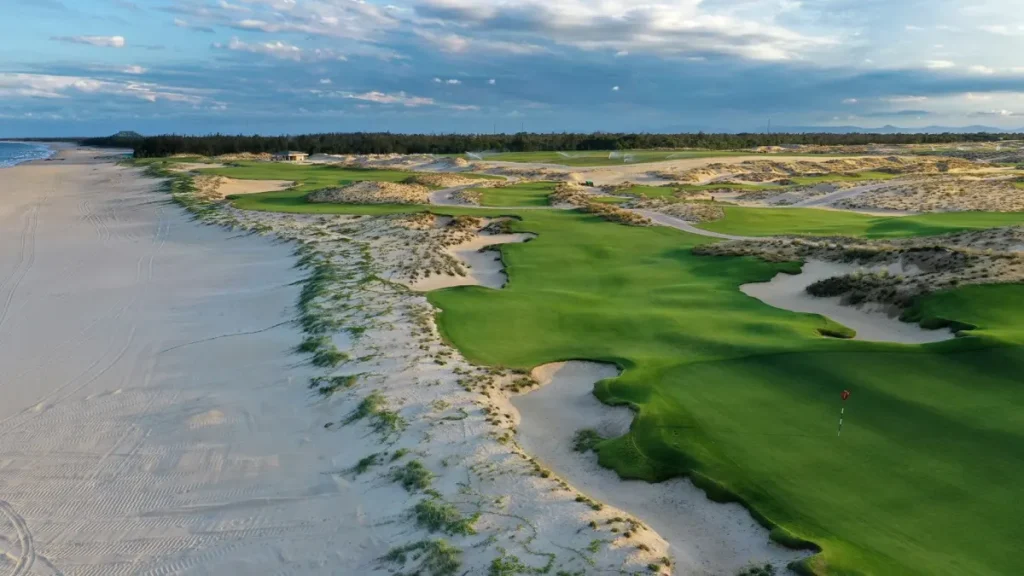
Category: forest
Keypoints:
(392, 143)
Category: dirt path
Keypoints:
(680, 224)
(150, 421)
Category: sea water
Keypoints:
(12, 153)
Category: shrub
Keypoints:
(413, 476)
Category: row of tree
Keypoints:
(388, 143)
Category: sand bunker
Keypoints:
(220, 187)
(373, 193)
(788, 291)
(483, 267)
(705, 537)
(448, 180)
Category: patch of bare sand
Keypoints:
(192, 166)
(220, 187)
(370, 192)
(704, 537)
(871, 322)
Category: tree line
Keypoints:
(388, 143)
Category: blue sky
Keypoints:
(85, 67)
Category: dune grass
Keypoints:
(744, 398)
(810, 221)
(522, 194)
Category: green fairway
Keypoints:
(523, 194)
(811, 221)
(606, 157)
(672, 191)
(310, 177)
(745, 397)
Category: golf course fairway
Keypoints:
(745, 398)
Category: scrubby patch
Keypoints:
(428, 557)
(372, 193)
(942, 194)
(930, 264)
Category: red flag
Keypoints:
(845, 395)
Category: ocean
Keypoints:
(12, 153)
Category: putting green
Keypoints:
(744, 397)
(521, 194)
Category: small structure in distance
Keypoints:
(291, 156)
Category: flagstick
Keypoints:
(841, 410)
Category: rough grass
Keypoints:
(438, 516)
(413, 476)
(431, 558)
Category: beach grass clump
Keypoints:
(764, 570)
(586, 440)
(384, 421)
(366, 463)
(433, 557)
(326, 386)
(328, 357)
(413, 476)
(438, 516)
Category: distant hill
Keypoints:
(127, 135)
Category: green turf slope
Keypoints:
(745, 397)
(745, 221)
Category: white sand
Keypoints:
(787, 291)
(484, 268)
(234, 187)
(705, 537)
(153, 420)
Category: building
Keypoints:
(291, 156)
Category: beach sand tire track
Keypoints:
(27, 554)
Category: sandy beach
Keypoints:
(152, 421)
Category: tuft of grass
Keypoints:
(435, 557)
(586, 440)
(413, 476)
(766, 570)
(366, 463)
(328, 385)
(437, 516)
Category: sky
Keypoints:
(94, 67)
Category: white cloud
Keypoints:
(186, 24)
(492, 81)
(437, 80)
(456, 44)
(453, 81)
(325, 80)
(400, 98)
(615, 88)
(656, 26)
(976, 97)
(1001, 29)
(277, 49)
(850, 101)
(104, 41)
(938, 64)
(912, 28)
(65, 87)
(905, 99)
(982, 70)
(233, 7)
(133, 70)
(622, 53)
